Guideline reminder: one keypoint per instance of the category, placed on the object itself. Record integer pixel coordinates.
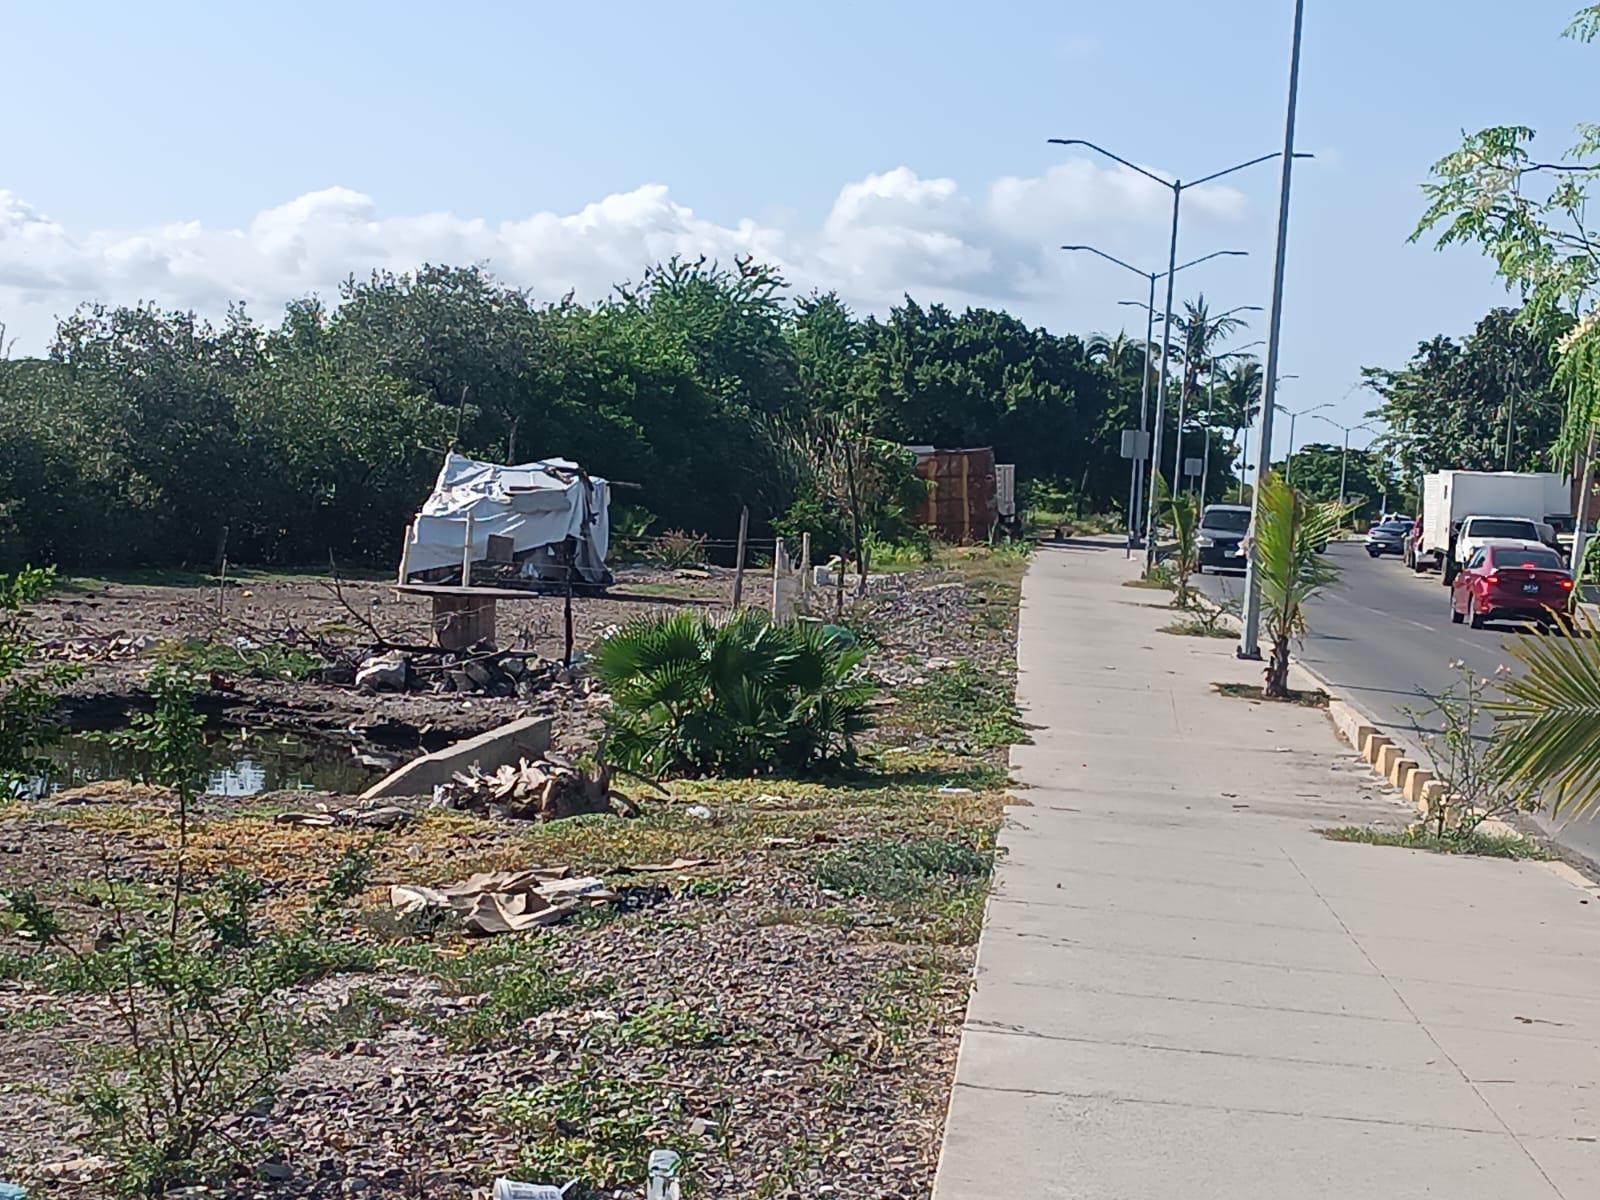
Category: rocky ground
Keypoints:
(781, 1007)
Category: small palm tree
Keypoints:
(1285, 543)
(1547, 729)
(1183, 511)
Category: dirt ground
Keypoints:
(785, 1014)
(119, 629)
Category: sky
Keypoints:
(198, 155)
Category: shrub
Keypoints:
(697, 697)
(675, 548)
(28, 685)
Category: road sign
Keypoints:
(1192, 466)
(1135, 444)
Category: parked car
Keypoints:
(1510, 581)
(1478, 530)
(1388, 537)
(1220, 538)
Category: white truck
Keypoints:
(1449, 497)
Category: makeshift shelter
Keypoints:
(534, 523)
(962, 503)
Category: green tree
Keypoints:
(1368, 478)
(29, 684)
(1457, 405)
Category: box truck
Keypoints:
(1450, 497)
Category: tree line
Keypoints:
(143, 435)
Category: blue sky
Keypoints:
(197, 153)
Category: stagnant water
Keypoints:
(237, 765)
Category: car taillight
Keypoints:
(1566, 584)
(1493, 577)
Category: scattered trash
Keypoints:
(110, 647)
(507, 901)
(698, 811)
(546, 789)
(955, 791)
(661, 1179)
(677, 864)
(515, 1189)
(13, 1191)
(385, 816)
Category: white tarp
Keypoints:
(534, 504)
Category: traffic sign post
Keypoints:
(1135, 448)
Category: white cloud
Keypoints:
(885, 235)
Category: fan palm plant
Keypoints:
(694, 696)
(1285, 542)
(1547, 728)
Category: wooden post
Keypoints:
(466, 554)
(405, 554)
(738, 562)
(566, 654)
(805, 564)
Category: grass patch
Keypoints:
(593, 1127)
(668, 1026)
(1253, 691)
(30, 1020)
(1197, 628)
(1480, 843)
(962, 701)
(1154, 583)
(900, 870)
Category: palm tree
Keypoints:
(1121, 355)
(1288, 533)
(1200, 335)
(1238, 397)
(1547, 729)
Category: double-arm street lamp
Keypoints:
(1293, 415)
(1344, 454)
(1136, 489)
(1177, 187)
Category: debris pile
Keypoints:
(482, 671)
(507, 901)
(547, 789)
(99, 647)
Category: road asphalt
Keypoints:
(1183, 990)
(1382, 638)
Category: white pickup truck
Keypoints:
(1478, 531)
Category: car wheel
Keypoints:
(1474, 617)
(1373, 552)
(1456, 615)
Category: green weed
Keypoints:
(963, 701)
(1478, 842)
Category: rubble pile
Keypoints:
(548, 789)
(481, 671)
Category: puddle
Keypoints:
(236, 765)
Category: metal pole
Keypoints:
(1251, 624)
(1343, 456)
(1288, 463)
(1144, 396)
(1211, 408)
(1161, 391)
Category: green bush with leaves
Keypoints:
(29, 685)
(695, 696)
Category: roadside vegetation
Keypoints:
(797, 908)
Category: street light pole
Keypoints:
(1137, 489)
(1293, 414)
(1251, 622)
(1344, 454)
(1177, 187)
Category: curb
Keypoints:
(1397, 762)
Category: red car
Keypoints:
(1510, 581)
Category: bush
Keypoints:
(691, 696)
(28, 685)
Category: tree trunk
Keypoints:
(1278, 670)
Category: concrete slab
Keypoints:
(528, 737)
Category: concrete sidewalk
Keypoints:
(1184, 993)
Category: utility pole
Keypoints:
(1251, 625)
